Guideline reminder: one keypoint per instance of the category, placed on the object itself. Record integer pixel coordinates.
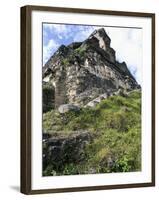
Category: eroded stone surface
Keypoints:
(82, 71)
(68, 107)
(65, 149)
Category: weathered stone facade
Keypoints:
(87, 67)
(62, 150)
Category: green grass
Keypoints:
(116, 123)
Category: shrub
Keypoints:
(65, 62)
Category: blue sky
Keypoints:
(127, 42)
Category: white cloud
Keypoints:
(127, 43)
(48, 50)
(60, 29)
(56, 27)
(65, 31)
(83, 33)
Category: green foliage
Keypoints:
(123, 148)
(49, 171)
(81, 51)
(70, 169)
(65, 62)
(76, 55)
(116, 125)
(48, 96)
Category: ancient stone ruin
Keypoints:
(80, 72)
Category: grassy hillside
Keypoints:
(116, 126)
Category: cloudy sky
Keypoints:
(127, 42)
